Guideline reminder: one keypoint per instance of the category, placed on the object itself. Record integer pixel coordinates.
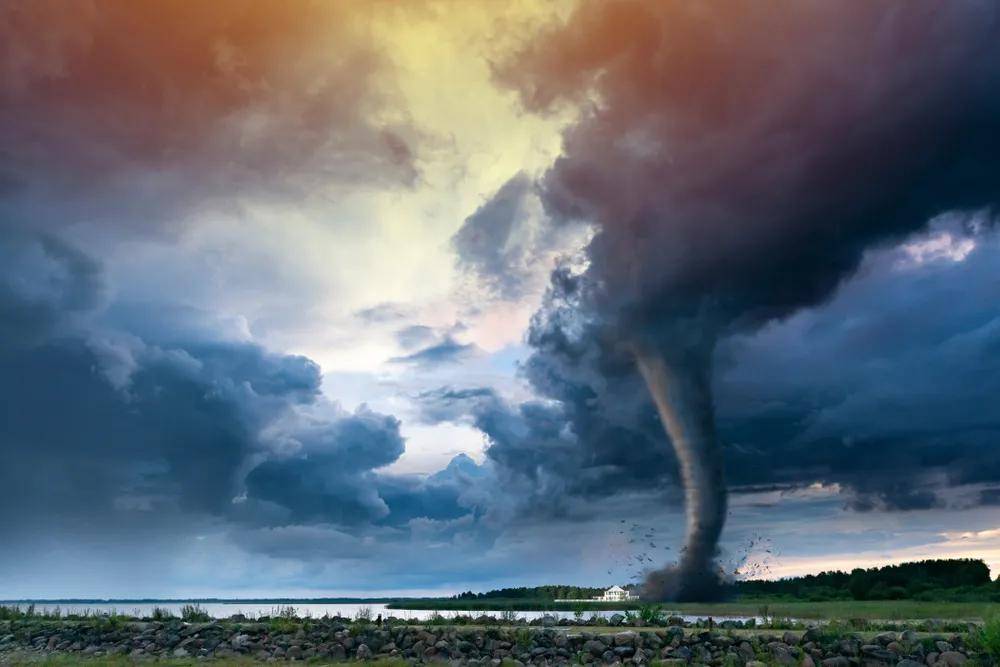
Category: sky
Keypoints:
(316, 299)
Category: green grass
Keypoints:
(844, 609)
(987, 639)
(510, 604)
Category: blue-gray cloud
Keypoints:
(446, 351)
(114, 425)
(884, 390)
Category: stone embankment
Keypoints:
(336, 640)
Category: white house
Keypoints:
(616, 594)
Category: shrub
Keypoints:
(651, 614)
(161, 614)
(508, 616)
(987, 638)
(192, 613)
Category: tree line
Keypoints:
(941, 579)
(535, 593)
(956, 579)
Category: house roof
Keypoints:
(616, 589)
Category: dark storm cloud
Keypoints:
(507, 243)
(885, 390)
(989, 496)
(330, 478)
(135, 112)
(491, 241)
(43, 285)
(441, 496)
(536, 450)
(103, 430)
(736, 178)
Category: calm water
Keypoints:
(348, 610)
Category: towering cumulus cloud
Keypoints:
(738, 158)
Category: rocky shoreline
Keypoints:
(333, 640)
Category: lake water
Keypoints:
(347, 610)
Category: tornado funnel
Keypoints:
(682, 394)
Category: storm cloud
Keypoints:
(735, 178)
(116, 426)
(140, 114)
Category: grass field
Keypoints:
(842, 609)
(846, 609)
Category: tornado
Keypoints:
(682, 394)
(732, 180)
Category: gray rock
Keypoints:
(682, 652)
(951, 658)
(625, 638)
(363, 652)
(873, 654)
(594, 647)
(906, 662)
(181, 653)
(782, 656)
(885, 638)
(812, 635)
(943, 646)
(836, 661)
(616, 619)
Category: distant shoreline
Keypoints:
(206, 600)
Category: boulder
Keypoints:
(873, 655)
(885, 638)
(625, 638)
(782, 655)
(951, 659)
(836, 661)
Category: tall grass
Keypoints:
(987, 638)
(193, 613)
